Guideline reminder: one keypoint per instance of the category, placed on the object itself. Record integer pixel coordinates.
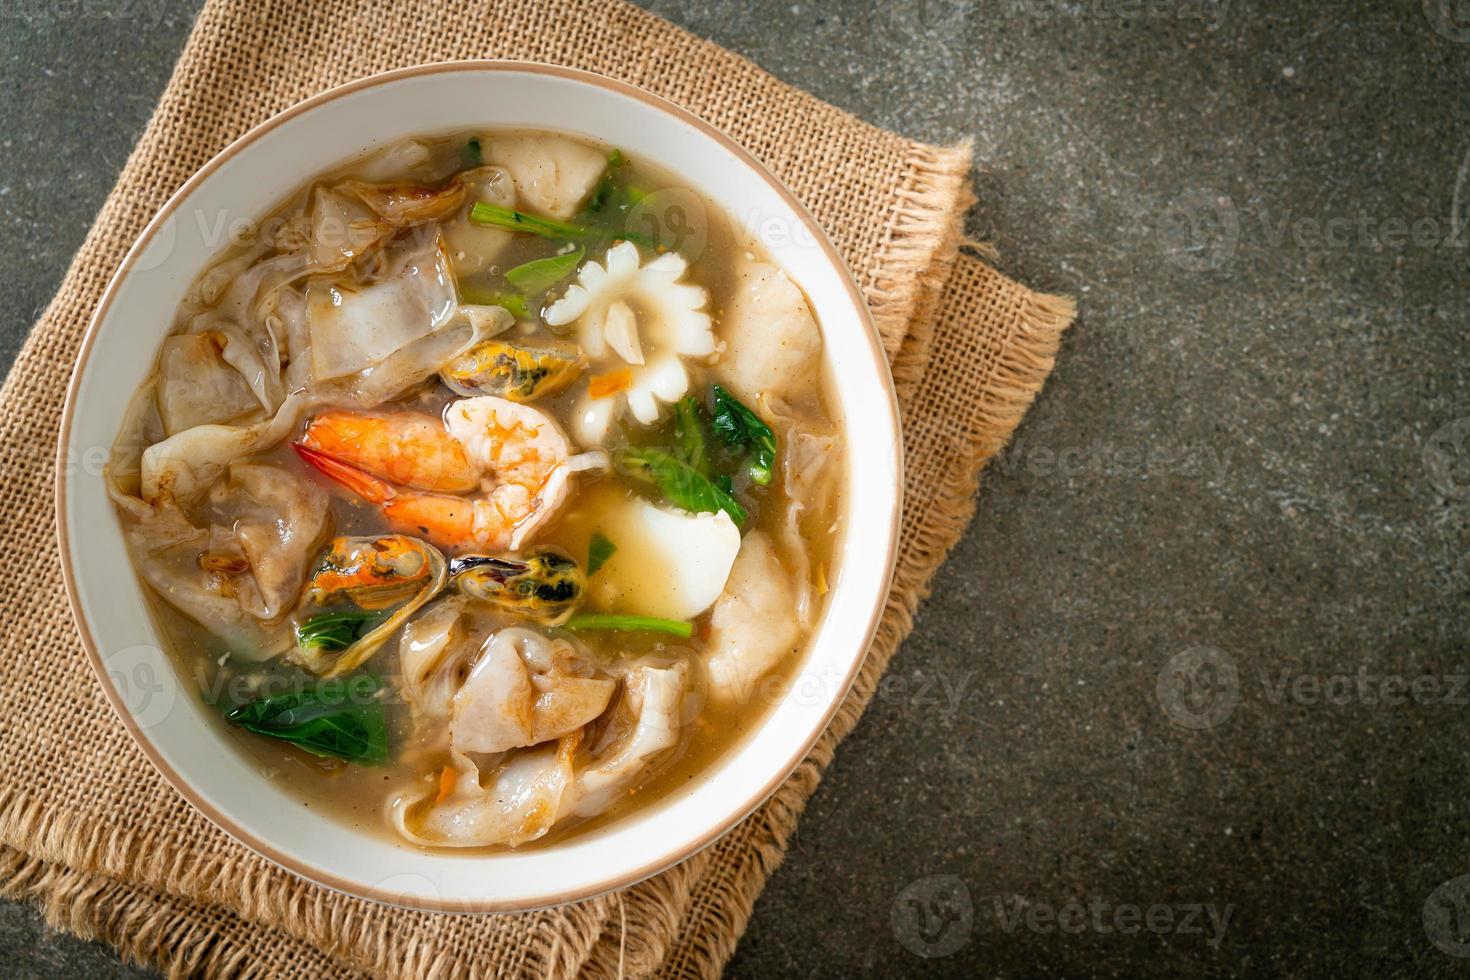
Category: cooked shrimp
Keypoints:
(415, 468)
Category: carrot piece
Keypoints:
(447, 779)
(610, 383)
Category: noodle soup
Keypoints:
(487, 489)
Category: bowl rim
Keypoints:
(223, 820)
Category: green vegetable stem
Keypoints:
(631, 624)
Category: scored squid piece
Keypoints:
(638, 323)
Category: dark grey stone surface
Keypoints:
(1204, 645)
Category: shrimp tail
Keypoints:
(365, 485)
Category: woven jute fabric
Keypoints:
(93, 835)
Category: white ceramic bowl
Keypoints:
(248, 179)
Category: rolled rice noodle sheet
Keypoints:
(396, 161)
(183, 466)
(404, 203)
(275, 520)
(507, 800)
(197, 387)
(343, 230)
(524, 689)
(412, 365)
(645, 724)
(353, 329)
(434, 655)
(241, 573)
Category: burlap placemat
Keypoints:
(92, 834)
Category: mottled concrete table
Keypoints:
(1190, 697)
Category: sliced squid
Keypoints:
(637, 322)
(772, 345)
(751, 628)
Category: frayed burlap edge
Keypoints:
(151, 930)
(920, 238)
